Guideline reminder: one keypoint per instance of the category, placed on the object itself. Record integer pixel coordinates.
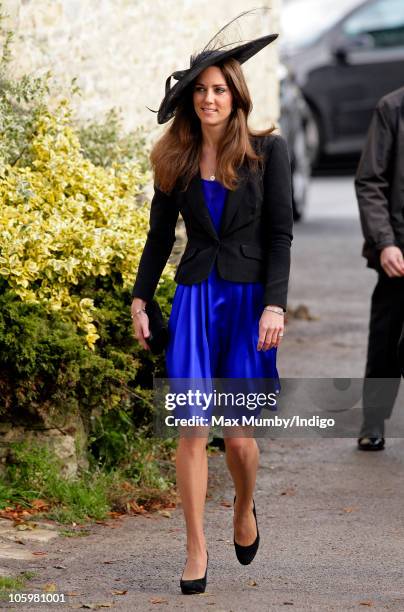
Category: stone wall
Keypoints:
(121, 51)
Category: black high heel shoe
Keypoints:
(198, 585)
(245, 554)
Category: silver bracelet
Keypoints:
(271, 309)
(138, 311)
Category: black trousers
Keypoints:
(401, 352)
(386, 327)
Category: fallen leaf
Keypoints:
(252, 583)
(157, 600)
(115, 592)
(72, 594)
(50, 587)
(366, 603)
(116, 514)
(165, 513)
(59, 566)
(39, 553)
(350, 509)
(289, 492)
(288, 603)
(39, 504)
(226, 504)
(301, 312)
(135, 508)
(96, 605)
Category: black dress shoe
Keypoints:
(367, 443)
(198, 585)
(245, 554)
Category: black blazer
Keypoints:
(255, 236)
(379, 180)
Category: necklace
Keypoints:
(212, 177)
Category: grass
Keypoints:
(9, 584)
(33, 483)
(68, 533)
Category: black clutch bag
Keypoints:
(158, 338)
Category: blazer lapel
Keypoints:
(197, 204)
(233, 202)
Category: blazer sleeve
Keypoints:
(278, 222)
(164, 213)
(372, 181)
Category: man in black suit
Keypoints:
(379, 187)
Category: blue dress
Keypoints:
(213, 325)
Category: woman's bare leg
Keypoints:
(192, 479)
(242, 456)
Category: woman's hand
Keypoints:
(140, 322)
(271, 328)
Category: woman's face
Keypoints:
(212, 97)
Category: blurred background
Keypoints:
(341, 57)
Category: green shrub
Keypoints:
(64, 221)
(104, 143)
(21, 102)
(46, 371)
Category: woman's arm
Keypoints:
(278, 219)
(160, 239)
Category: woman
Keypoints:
(233, 189)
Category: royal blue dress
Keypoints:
(213, 325)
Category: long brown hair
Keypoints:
(176, 154)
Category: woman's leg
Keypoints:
(192, 479)
(242, 455)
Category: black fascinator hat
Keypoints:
(220, 48)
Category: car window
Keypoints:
(382, 23)
(304, 21)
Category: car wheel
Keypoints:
(301, 171)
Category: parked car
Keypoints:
(294, 120)
(343, 63)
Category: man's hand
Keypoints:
(392, 261)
